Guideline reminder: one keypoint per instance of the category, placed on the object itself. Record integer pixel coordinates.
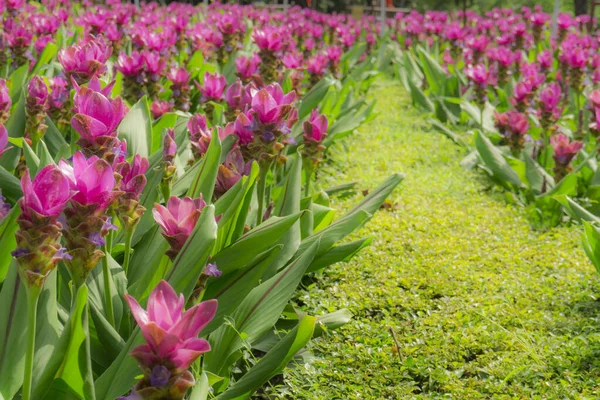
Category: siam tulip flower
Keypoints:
(480, 77)
(5, 102)
(160, 108)
(564, 151)
(180, 88)
(316, 67)
(59, 102)
(168, 162)
(238, 98)
(155, 64)
(172, 342)
(269, 42)
(521, 97)
(268, 39)
(36, 108)
(200, 135)
(131, 184)
(18, 39)
(548, 104)
(132, 68)
(41, 43)
(544, 60)
(38, 248)
(513, 125)
(178, 220)
(3, 139)
(93, 180)
(96, 120)
(4, 207)
(334, 54)
(213, 87)
(82, 62)
(247, 67)
(231, 171)
(292, 61)
(315, 131)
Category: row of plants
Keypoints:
(156, 176)
(524, 87)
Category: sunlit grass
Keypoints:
(482, 305)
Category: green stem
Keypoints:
(33, 294)
(165, 188)
(110, 314)
(260, 192)
(128, 237)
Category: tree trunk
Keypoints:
(581, 7)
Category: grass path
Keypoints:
(483, 306)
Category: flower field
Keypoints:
(193, 197)
(526, 86)
(156, 174)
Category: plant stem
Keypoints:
(260, 192)
(128, 237)
(110, 315)
(33, 294)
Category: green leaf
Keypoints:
(495, 162)
(274, 361)
(202, 388)
(539, 180)
(231, 289)
(341, 253)
(591, 243)
(54, 139)
(258, 240)
(13, 323)
(17, 80)
(311, 100)
(576, 211)
(419, 98)
(31, 159)
(206, 176)
(259, 311)
(166, 121)
(69, 372)
(8, 227)
(47, 55)
(136, 127)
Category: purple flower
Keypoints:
(212, 270)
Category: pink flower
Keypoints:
(133, 179)
(231, 171)
(235, 96)
(316, 127)
(169, 146)
(170, 333)
(85, 61)
(3, 139)
(132, 65)
(544, 59)
(271, 106)
(178, 219)
(268, 39)
(549, 98)
(159, 108)
(179, 76)
(96, 115)
(5, 101)
(155, 63)
(292, 61)
(213, 87)
(564, 149)
(59, 94)
(37, 92)
(200, 134)
(478, 74)
(48, 194)
(247, 67)
(92, 178)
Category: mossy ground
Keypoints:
(482, 305)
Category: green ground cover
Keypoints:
(482, 306)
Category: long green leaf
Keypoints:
(136, 127)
